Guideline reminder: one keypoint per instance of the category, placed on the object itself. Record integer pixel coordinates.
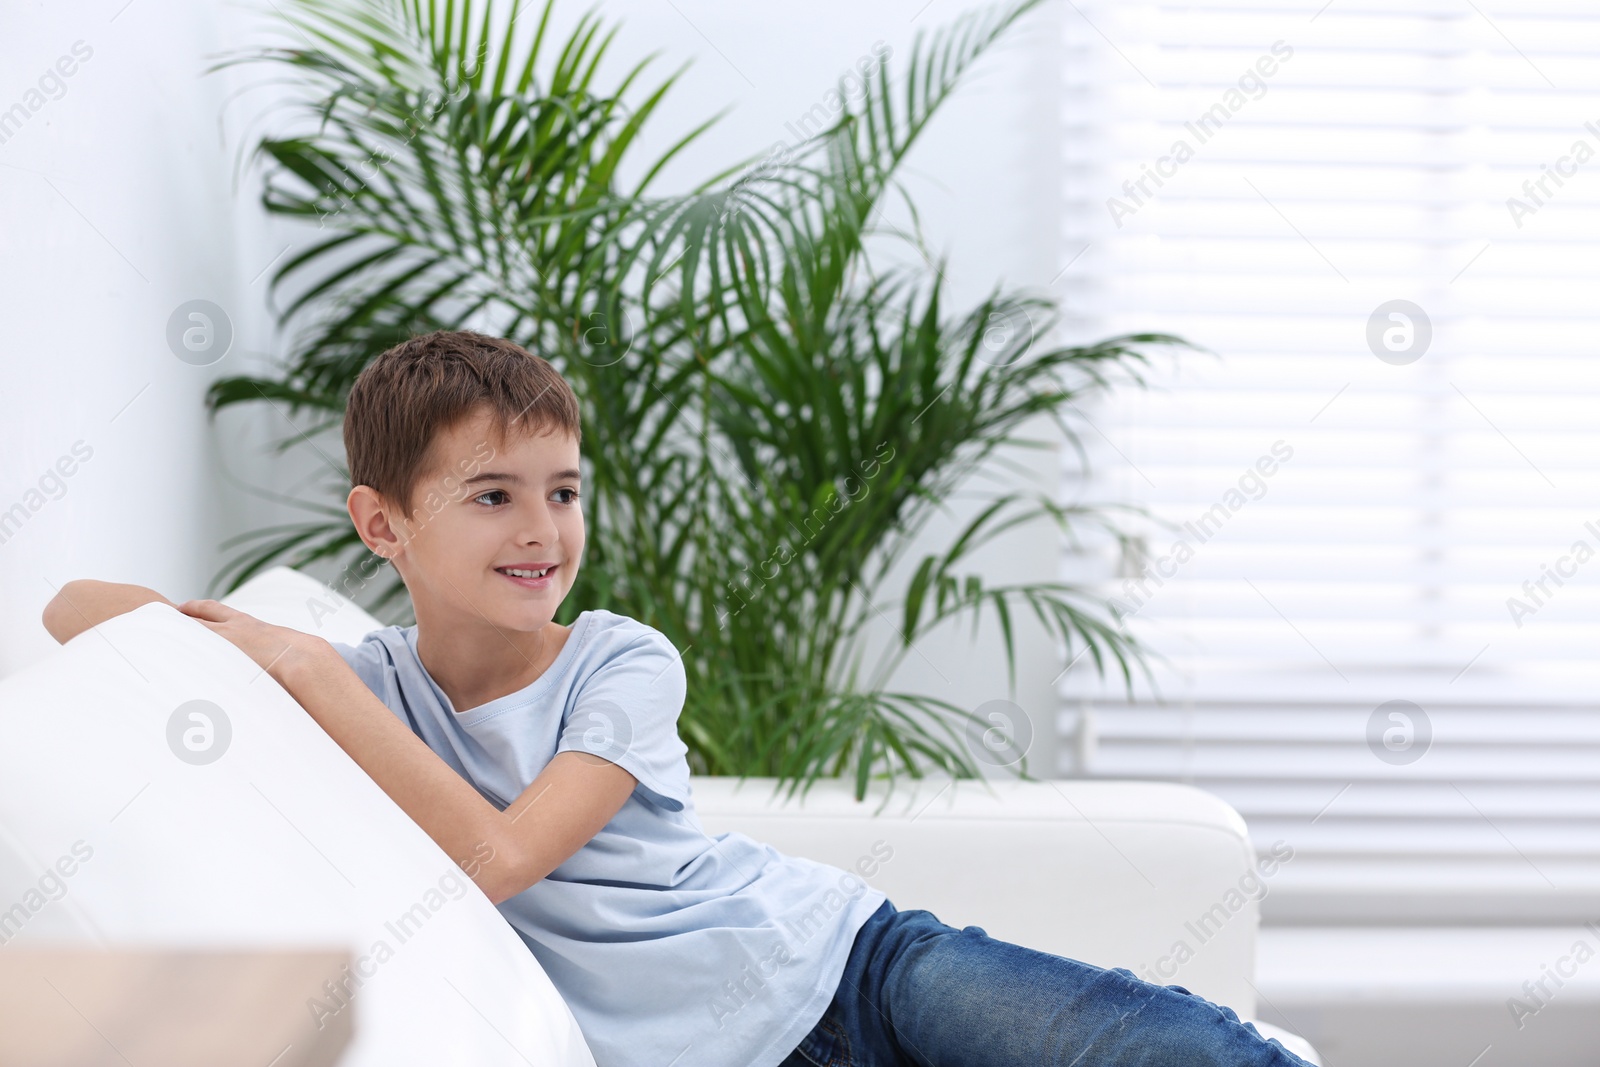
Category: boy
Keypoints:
(545, 760)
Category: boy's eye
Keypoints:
(571, 495)
(491, 492)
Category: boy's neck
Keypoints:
(476, 663)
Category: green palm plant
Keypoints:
(771, 417)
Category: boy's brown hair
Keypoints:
(421, 387)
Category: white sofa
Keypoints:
(290, 843)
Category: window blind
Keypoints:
(1376, 595)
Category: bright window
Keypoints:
(1385, 222)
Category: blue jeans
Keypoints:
(916, 991)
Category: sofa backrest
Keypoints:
(1152, 877)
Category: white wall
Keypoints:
(119, 205)
(117, 208)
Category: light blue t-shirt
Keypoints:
(672, 948)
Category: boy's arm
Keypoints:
(575, 795)
(84, 603)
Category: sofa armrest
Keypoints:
(1154, 877)
(124, 824)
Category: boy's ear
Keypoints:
(370, 514)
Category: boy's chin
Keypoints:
(506, 610)
(530, 616)
(515, 622)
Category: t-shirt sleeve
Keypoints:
(369, 662)
(627, 712)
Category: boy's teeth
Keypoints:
(518, 573)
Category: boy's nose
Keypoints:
(540, 531)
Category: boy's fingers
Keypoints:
(206, 609)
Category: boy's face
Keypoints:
(486, 504)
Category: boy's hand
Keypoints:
(277, 649)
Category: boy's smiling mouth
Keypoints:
(529, 575)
